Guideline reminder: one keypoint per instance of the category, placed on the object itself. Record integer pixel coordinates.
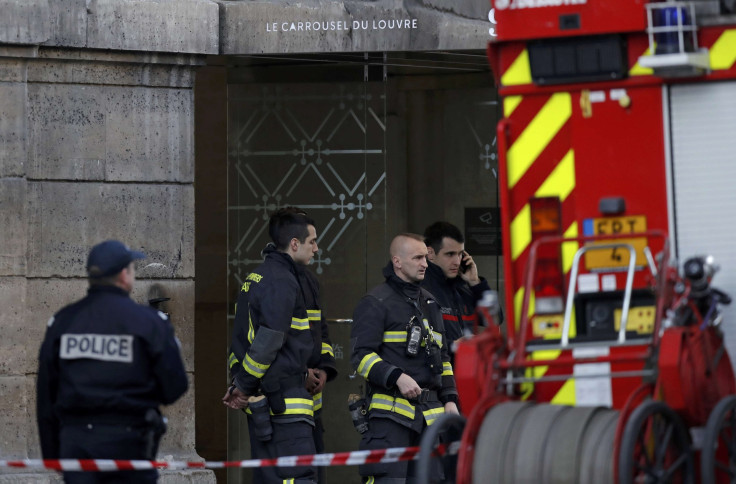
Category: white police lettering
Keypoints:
(104, 347)
(504, 4)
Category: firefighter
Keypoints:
(398, 346)
(271, 348)
(321, 364)
(452, 278)
(105, 366)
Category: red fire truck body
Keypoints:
(617, 153)
(584, 120)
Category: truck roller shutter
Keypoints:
(703, 134)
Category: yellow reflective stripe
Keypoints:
(314, 314)
(371, 480)
(437, 338)
(289, 481)
(298, 406)
(638, 70)
(300, 323)
(253, 367)
(518, 302)
(251, 330)
(317, 401)
(518, 72)
(447, 368)
(379, 401)
(521, 232)
(394, 336)
(723, 52)
(327, 349)
(537, 135)
(232, 360)
(432, 414)
(561, 182)
(510, 103)
(367, 363)
(569, 248)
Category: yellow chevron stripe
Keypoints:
(638, 70)
(566, 394)
(561, 182)
(518, 72)
(537, 135)
(510, 103)
(723, 52)
(569, 248)
(519, 301)
(521, 232)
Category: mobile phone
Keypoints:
(463, 264)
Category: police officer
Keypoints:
(452, 278)
(271, 348)
(398, 346)
(105, 366)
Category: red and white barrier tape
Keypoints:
(358, 457)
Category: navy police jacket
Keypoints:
(271, 340)
(105, 357)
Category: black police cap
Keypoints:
(110, 257)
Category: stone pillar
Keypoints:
(96, 142)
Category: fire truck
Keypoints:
(617, 156)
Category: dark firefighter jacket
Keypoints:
(457, 300)
(271, 340)
(379, 341)
(105, 357)
(323, 356)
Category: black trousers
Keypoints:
(293, 438)
(319, 444)
(104, 441)
(384, 433)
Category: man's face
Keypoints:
(127, 278)
(305, 251)
(449, 257)
(411, 262)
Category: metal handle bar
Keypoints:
(627, 291)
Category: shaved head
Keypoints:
(402, 241)
(409, 257)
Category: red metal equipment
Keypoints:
(611, 366)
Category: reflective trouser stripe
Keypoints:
(379, 401)
(433, 414)
(298, 406)
(367, 363)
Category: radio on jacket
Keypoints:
(413, 338)
(434, 358)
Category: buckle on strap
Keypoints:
(427, 395)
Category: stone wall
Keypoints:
(97, 141)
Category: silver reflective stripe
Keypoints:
(103, 347)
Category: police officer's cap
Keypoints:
(110, 257)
